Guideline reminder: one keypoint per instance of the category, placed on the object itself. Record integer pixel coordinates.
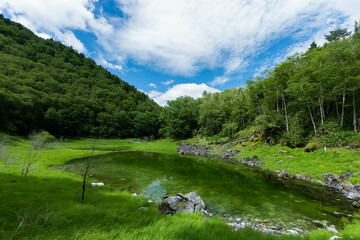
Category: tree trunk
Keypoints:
(286, 115)
(354, 107)
(343, 109)
(277, 100)
(321, 112)
(86, 172)
(337, 107)
(312, 118)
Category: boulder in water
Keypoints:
(190, 202)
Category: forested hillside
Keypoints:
(315, 94)
(46, 85)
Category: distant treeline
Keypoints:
(46, 85)
(307, 95)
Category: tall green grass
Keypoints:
(53, 199)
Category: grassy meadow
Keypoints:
(49, 199)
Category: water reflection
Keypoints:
(154, 191)
(239, 193)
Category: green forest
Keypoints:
(46, 85)
(308, 95)
(85, 155)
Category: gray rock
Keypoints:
(357, 187)
(356, 204)
(283, 174)
(291, 232)
(252, 162)
(331, 179)
(308, 178)
(345, 175)
(332, 229)
(299, 177)
(335, 238)
(190, 202)
(143, 208)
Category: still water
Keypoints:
(226, 191)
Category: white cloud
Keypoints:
(232, 65)
(43, 35)
(152, 85)
(168, 82)
(219, 81)
(183, 37)
(153, 94)
(57, 18)
(68, 38)
(101, 60)
(186, 89)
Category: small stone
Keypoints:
(332, 229)
(134, 194)
(346, 175)
(290, 156)
(150, 201)
(97, 184)
(299, 177)
(292, 232)
(335, 238)
(282, 151)
(142, 208)
(281, 161)
(356, 204)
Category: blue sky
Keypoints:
(173, 48)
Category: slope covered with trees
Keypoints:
(313, 94)
(46, 85)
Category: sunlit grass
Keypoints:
(296, 161)
(53, 198)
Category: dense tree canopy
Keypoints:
(295, 100)
(46, 85)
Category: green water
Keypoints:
(226, 191)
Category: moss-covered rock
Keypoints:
(311, 147)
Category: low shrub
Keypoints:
(342, 138)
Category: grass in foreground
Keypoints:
(52, 197)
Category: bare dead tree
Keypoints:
(90, 156)
(25, 219)
(29, 160)
(3, 150)
(38, 143)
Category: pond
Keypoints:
(226, 190)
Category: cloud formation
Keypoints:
(219, 81)
(184, 37)
(187, 89)
(58, 18)
(152, 85)
(168, 82)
